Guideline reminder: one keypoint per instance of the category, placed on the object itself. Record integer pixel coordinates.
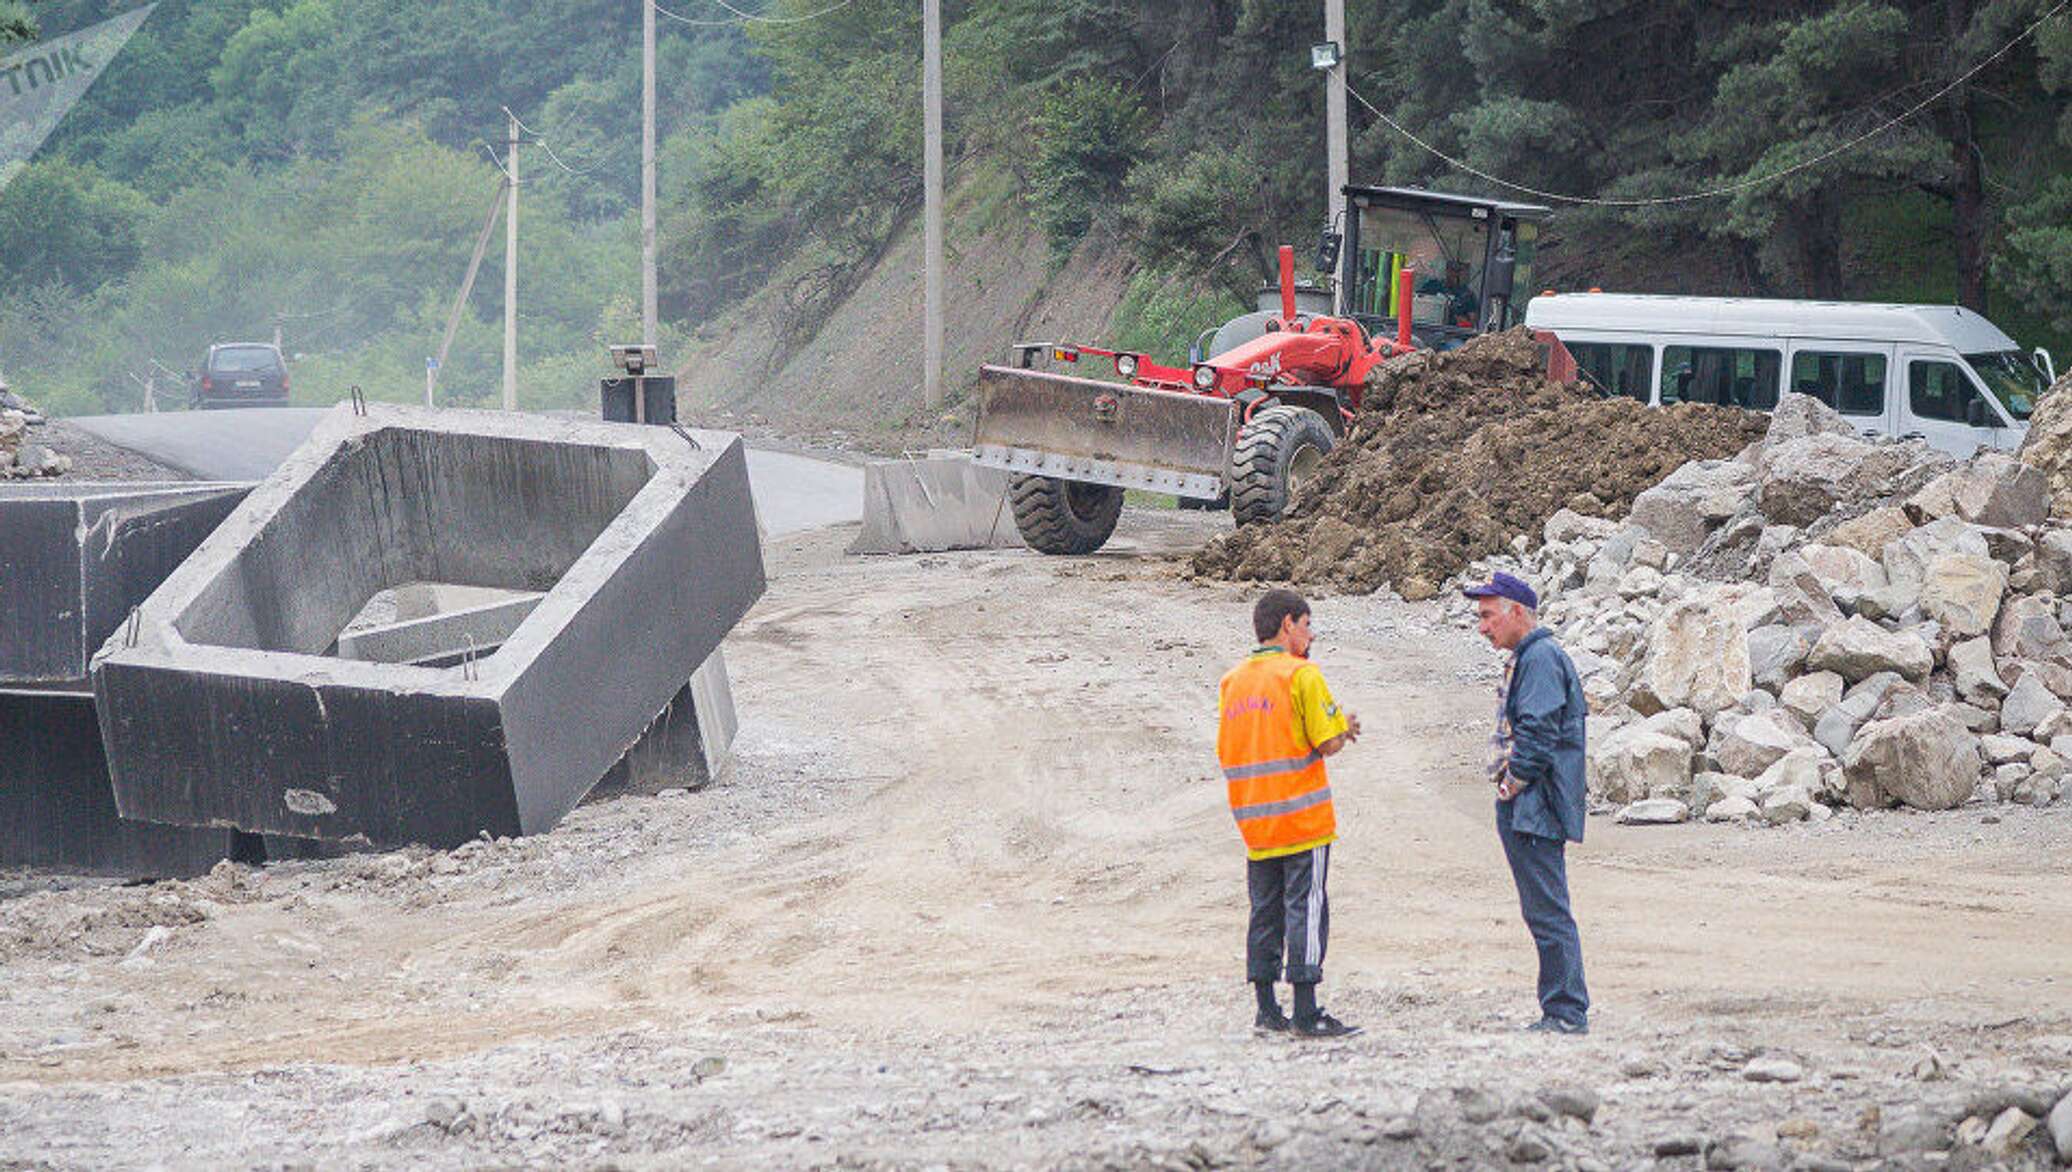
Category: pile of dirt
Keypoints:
(1455, 454)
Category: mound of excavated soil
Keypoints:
(1456, 453)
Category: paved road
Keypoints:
(792, 493)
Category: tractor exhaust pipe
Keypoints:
(1403, 294)
(1287, 286)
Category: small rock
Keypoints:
(444, 1113)
(1654, 812)
(1528, 1147)
(1733, 809)
(1477, 1105)
(1744, 1151)
(2009, 1132)
(1799, 1128)
(1772, 1070)
(1682, 1143)
(1573, 1101)
(1400, 1127)
(2061, 1129)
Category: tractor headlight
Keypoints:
(1126, 365)
(1204, 377)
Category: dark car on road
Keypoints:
(240, 374)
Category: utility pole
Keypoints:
(460, 300)
(931, 97)
(511, 269)
(649, 314)
(276, 331)
(1334, 133)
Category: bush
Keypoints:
(1088, 135)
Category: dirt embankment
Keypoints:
(1453, 455)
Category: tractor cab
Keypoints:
(1469, 255)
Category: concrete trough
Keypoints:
(75, 557)
(221, 708)
(943, 502)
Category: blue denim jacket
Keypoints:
(1546, 709)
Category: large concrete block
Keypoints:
(57, 809)
(941, 503)
(75, 557)
(222, 708)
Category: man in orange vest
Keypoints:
(1278, 724)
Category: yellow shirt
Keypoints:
(1317, 719)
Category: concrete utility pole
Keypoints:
(1334, 133)
(511, 269)
(649, 315)
(931, 97)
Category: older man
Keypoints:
(1537, 768)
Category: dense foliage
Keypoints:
(323, 166)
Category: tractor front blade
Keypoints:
(1104, 433)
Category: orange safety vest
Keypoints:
(1278, 792)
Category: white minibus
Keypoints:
(1938, 372)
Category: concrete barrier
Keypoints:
(75, 557)
(221, 707)
(57, 809)
(939, 503)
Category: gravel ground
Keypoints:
(94, 458)
(968, 898)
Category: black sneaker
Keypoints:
(1555, 1025)
(1323, 1025)
(1272, 1023)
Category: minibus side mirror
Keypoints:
(1978, 414)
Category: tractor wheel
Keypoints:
(1276, 453)
(1064, 516)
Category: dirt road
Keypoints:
(971, 898)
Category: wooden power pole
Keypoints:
(931, 97)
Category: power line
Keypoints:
(740, 17)
(544, 145)
(1727, 189)
(491, 151)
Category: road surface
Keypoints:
(792, 493)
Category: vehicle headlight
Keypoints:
(1204, 377)
(1126, 365)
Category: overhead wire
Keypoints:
(541, 141)
(741, 17)
(1724, 189)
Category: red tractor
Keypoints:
(1263, 398)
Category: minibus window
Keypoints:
(1616, 369)
(1721, 376)
(1939, 390)
(2012, 378)
(1853, 384)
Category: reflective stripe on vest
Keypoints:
(1279, 794)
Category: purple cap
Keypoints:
(1502, 585)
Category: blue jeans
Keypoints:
(1539, 866)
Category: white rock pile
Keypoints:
(1823, 622)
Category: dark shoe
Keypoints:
(1555, 1025)
(1323, 1025)
(1272, 1023)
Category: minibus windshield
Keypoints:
(2012, 378)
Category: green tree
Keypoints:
(1088, 136)
(69, 223)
